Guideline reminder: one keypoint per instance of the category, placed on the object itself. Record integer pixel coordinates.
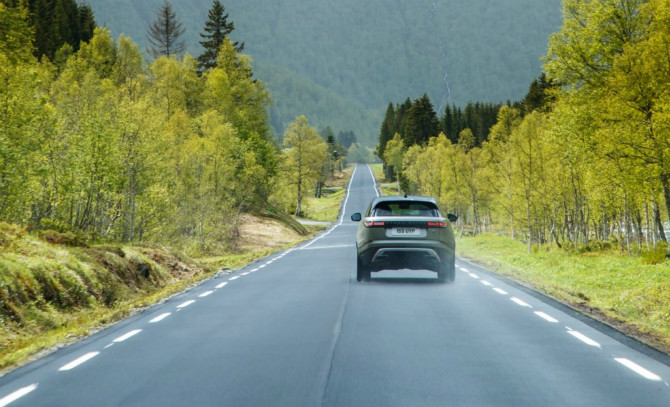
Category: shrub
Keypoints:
(656, 255)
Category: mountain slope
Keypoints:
(372, 52)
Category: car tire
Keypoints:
(446, 272)
(362, 272)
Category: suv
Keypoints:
(405, 232)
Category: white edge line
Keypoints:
(205, 294)
(638, 369)
(235, 277)
(475, 276)
(222, 284)
(486, 283)
(78, 361)
(374, 181)
(127, 336)
(17, 394)
(344, 210)
(584, 338)
(500, 291)
(160, 317)
(185, 304)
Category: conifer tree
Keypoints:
(216, 29)
(165, 32)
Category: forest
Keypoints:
(340, 62)
(583, 162)
(100, 145)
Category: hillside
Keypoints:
(342, 62)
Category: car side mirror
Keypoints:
(356, 217)
(452, 217)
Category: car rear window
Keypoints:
(405, 209)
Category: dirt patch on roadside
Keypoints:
(264, 233)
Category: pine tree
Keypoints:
(387, 131)
(421, 122)
(164, 33)
(216, 29)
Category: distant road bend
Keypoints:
(296, 329)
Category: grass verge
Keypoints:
(52, 295)
(614, 288)
(327, 208)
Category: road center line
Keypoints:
(185, 304)
(222, 284)
(233, 278)
(160, 317)
(17, 394)
(638, 369)
(205, 294)
(126, 336)
(78, 361)
(246, 273)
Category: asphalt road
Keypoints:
(296, 329)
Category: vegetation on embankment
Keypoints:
(327, 208)
(55, 289)
(623, 291)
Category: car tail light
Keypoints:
(373, 224)
(439, 224)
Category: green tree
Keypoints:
(305, 154)
(216, 29)
(421, 122)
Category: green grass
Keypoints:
(621, 289)
(54, 294)
(325, 208)
(387, 188)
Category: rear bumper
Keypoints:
(405, 254)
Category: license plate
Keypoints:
(403, 232)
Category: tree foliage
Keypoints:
(109, 149)
(583, 162)
(216, 29)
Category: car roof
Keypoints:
(407, 198)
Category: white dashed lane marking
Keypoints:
(638, 369)
(127, 336)
(160, 317)
(205, 294)
(584, 338)
(233, 278)
(17, 394)
(500, 291)
(520, 302)
(185, 304)
(221, 285)
(486, 283)
(78, 361)
(546, 317)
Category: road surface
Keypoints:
(296, 329)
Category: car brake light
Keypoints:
(440, 224)
(369, 224)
